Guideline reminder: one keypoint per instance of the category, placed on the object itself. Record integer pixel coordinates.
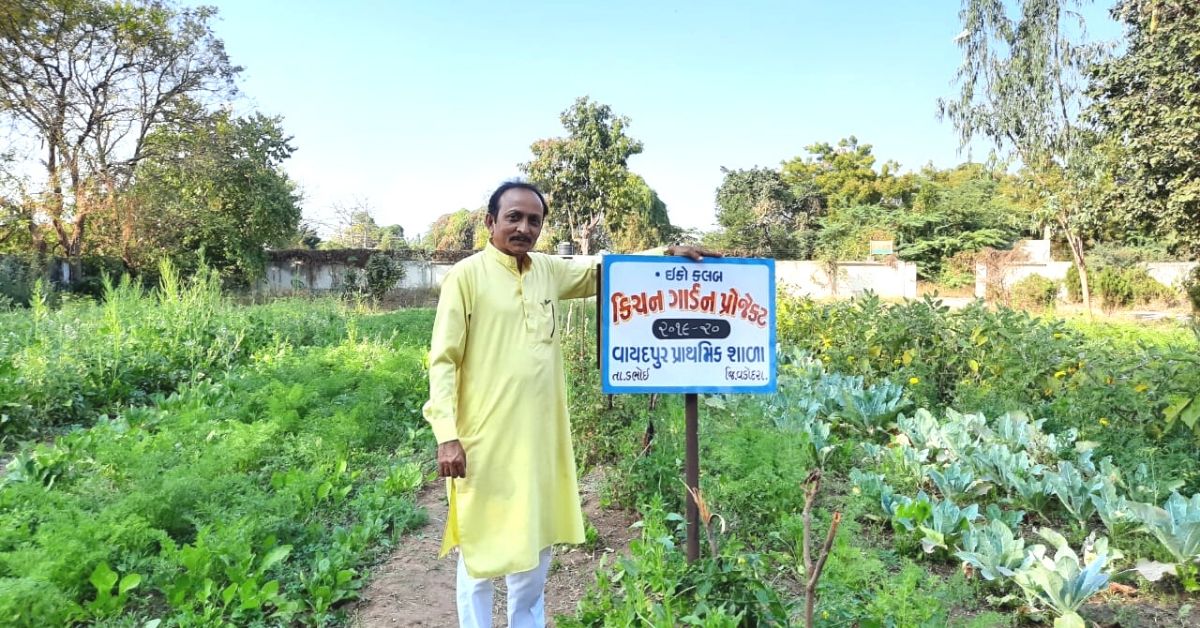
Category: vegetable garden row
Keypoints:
(174, 458)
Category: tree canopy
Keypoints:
(1146, 99)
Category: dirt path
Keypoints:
(414, 588)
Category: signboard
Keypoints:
(882, 247)
(671, 325)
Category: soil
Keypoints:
(413, 588)
(1139, 614)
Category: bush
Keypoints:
(1147, 289)
(1035, 291)
(16, 280)
(1124, 255)
(1073, 285)
(1115, 289)
(1122, 288)
(1191, 287)
(382, 274)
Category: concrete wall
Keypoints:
(1055, 271)
(895, 281)
(807, 278)
(283, 277)
(1167, 273)
(1170, 273)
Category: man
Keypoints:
(498, 408)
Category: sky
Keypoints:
(419, 108)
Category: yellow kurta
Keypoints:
(496, 384)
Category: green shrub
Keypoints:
(1035, 291)
(1191, 287)
(272, 484)
(17, 277)
(1073, 285)
(382, 273)
(1115, 289)
(1147, 289)
(1119, 287)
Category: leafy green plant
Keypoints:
(1073, 491)
(654, 585)
(1177, 527)
(1064, 580)
(1034, 291)
(1115, 510)
(106, 582)
(993, 550)
(870, 409)
(957, 480)
(945, 525)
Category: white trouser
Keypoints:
(526, 597)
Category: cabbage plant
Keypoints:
(1063, 581)
(1177, 526)
(993, 550)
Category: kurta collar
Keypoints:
(506, 260)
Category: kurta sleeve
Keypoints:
(575, 280)
(446, 350)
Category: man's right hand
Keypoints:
(452, 460)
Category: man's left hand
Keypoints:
(695, 253)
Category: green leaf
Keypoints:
(103, 578)
(128, 583)
(274, 556)
(1191, 414)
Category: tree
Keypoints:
(640, 221)
(356, 227)
(761, 214)
(462, 230)
(1019, 87)
(89, 81)
(845, 176)
(1146, 99)
(218, 187)
(391, 238)
(585, 174)
(307, 237)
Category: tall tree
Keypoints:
(89, 81)
(357, 228)
(462, 230)
(1020, 88)
(391, 238)
(1147, 99)
(584, 175)
(218, 187)
(761, 214)
(640, 221)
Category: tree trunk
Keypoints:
(1075, 242)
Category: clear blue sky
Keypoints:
(421, 108)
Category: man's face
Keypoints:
(518, 223)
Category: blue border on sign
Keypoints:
(605, 304)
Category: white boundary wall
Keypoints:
(800, 278)
(1167, 273)
(807, 278)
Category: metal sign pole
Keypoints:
(692, 411)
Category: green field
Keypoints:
(174, 457)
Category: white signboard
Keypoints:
(671, 325)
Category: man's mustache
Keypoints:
(519, 239)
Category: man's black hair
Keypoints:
(494, 201)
